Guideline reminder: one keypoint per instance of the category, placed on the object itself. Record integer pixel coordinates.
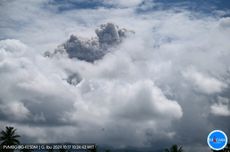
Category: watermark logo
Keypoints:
(217, 140)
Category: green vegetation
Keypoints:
(10, 137)
(174, 148)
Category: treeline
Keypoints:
(9, 136)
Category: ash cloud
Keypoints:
(170, 80)
(108, 35)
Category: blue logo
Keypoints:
(217, 140)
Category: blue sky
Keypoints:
(167, 83)
(205, 6)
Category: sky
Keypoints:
(141, 74)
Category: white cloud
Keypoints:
(29, 83)
(204, 83)
(221, 108)
(122, 3)
(146, 101)
(141, 89)
(40, 86)
(114, 105)
(225, 22)
(15, 110)
(13, 47)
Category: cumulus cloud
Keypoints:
(93, 100)
(221, 108)
(225, 22)
(204, 83)
(110, 90)
(14, 110)
(22, 75)
(11, 48)
(146, 102)
(109, 106)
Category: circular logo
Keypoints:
(217, 140)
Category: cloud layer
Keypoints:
(98, 101)
(169, 80)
